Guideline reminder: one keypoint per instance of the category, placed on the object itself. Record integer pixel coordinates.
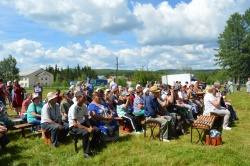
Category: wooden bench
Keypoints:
(201, 124)
(22, 127)
(152, 125)
(119, 120)
(46, 136)
(123, 122)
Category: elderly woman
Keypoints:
(103, 120)
(139, 103)
(34, 110)
(212, 105)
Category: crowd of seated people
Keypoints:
(84, 111)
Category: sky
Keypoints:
(153, 34)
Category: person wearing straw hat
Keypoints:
(51, 120)
(152, 107)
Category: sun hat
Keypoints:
(107, 90)
(130, 89)
(98, 89)
(51, 95)
(145, 90)
(34, 96)
(154, 89)
(124, 93)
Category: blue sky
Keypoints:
(152, 33)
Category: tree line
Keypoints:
(63, 76)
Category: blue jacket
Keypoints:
(151, 107)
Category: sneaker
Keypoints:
(138, 132)
(165, 140)
(227, 128)
(86, 155)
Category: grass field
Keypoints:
(132, 149)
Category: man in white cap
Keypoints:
(79, 124)
(51, 119)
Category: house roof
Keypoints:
(43, 72)
(28, 72)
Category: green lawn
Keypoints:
(132, 149)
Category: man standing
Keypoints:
(152, 112)
(90, 86)
(113, 85)
(79, 124)
(38, 89)
(223, 104)
(51, 119)
(65, 105)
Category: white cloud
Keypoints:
(32, 54)
(200, 21)
(79, 17)
(166, 37)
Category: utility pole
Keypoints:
(116, 67)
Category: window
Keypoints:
(45, 78)
(25, 85)
(25, 79)
(41, 78)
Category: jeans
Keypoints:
(164, 125)
(56, 133)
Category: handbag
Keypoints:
(214, 141)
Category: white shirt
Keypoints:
(209, 107)
(78, 113)
(49, 112)
(113, 85)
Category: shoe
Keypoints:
(191, 120)
(86, 155)
(138, 132)
(165, 140)
(227, 128)
(236, 118)
(187, 121)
